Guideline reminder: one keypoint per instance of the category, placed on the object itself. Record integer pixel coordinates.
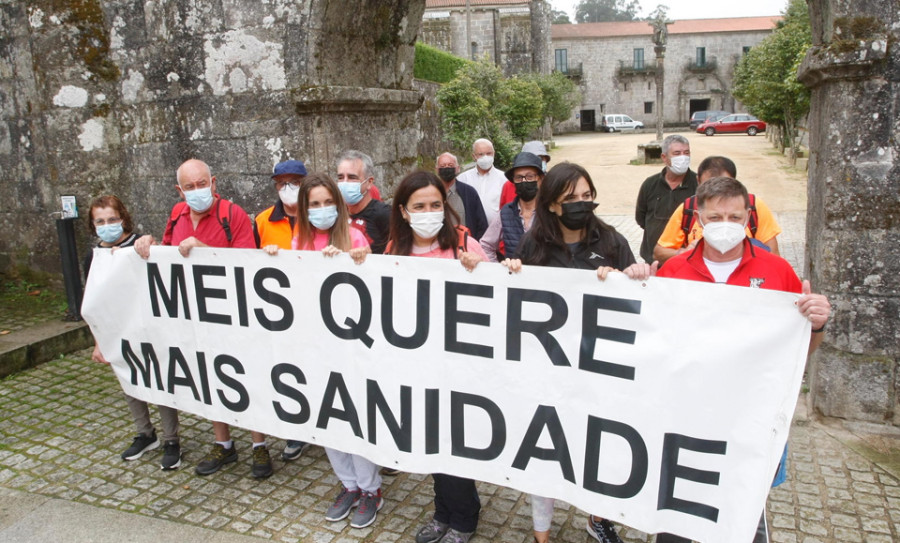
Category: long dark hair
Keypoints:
(401, 238)
(545, 233)
(339, 235)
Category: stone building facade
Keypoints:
(514, 34)
(110, 96)
(615, 66)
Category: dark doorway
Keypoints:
(698, 105)
(588, 124)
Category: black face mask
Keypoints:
(526, 190)
(576, 215)
(447, 174)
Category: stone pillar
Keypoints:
(540, 36)
(109, 96)
(853, 224)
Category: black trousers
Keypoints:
(456, 502)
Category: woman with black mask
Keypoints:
(567, 234)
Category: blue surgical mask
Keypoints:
(110, 233)
(199, 200)
(350, 191)
(323, 218)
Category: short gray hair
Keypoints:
(482, 140)
(455, 158)
(674, 138)
(368, 165)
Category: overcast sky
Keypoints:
(696, 9)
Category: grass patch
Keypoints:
(21, 296)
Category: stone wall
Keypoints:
(853, 225)
(110, 96)
(607, 88)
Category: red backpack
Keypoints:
(224, 221)
(689, 217)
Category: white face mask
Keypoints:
(680, 164)
(723, 236)
(485, 162)
(426, 224)
(289, 194)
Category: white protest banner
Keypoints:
(662, 405)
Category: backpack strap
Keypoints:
(224, 222)
(688, 218)
(177, 210)
(462, 239)
(224, 217)
(753, 223)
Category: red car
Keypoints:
(735, 123)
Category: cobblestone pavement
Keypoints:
(65, 423)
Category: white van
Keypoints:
(616, 122)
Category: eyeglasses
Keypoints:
(530, 177)
(281, 184)
(112, 220)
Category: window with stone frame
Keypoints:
(638, 63)
(701, 57)
(562, 61)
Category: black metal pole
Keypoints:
(68, 254)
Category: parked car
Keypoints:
(617, 122)
(730, 124)
(700, 117)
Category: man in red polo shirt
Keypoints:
(205, 219)
(725, 255)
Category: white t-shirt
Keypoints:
(489, 188)
(721, 271)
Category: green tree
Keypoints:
(559, 95)
(766, 78)
(465, 114)
(601, 11)
(520, 107)
(559, 17)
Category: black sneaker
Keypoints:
(262, 462)
(602, 530)
(141, 444)
(293, 450)
(171, 458)
(217, 457)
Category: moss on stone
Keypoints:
(93, 39)
(849, 31)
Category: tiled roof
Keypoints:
(438, 4)
(687, 26)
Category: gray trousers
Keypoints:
(140, 411)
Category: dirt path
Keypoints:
(607, 156)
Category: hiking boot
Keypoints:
(369, 505)
(432, 532)
(457, 537)
(602, 530)
(171, 458)
(262, 463)
(141, 444)
(293, 450)
(346, 500)
(217, 457)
